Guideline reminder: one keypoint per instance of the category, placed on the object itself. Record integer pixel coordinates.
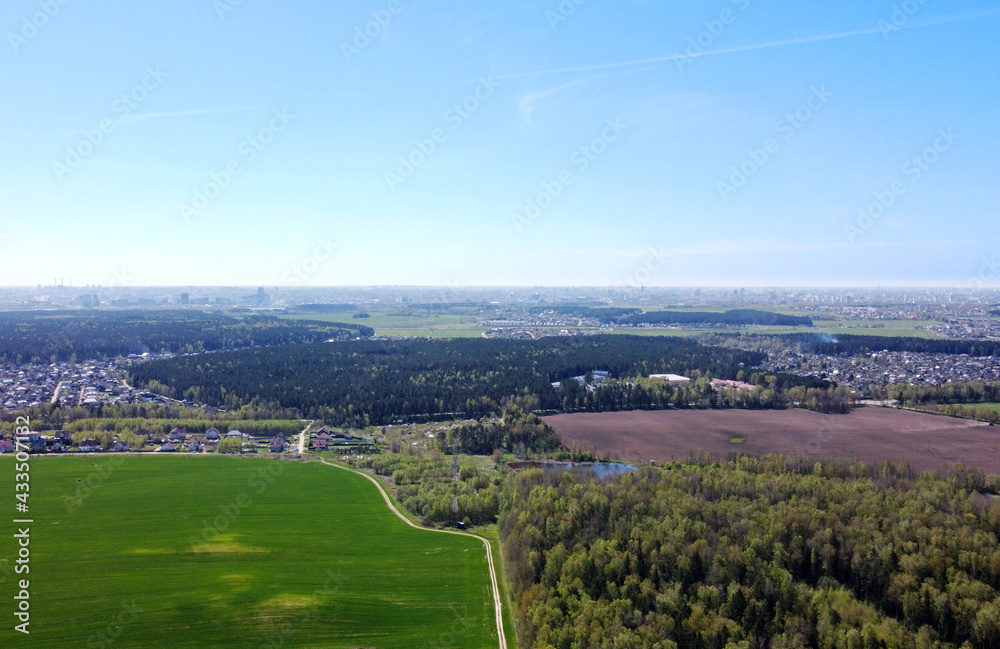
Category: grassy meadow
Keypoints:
(224, 552)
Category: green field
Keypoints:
(429, 326)
(224, 552)
(467, 326)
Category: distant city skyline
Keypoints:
(395, 143)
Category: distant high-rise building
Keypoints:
(185, 298)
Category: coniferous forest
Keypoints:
(376, 382)
(56, 336)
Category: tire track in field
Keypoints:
(486, 544)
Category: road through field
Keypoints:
(486, 544)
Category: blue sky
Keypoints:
(736, 143)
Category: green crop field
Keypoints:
(222, 552)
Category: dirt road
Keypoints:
(486, 544)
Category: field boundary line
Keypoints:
(486, 543)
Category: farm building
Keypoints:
(672, 378)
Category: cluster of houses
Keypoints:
(323, 439)
(178, 440)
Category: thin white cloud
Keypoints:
(529, 103)
(144, 117)
(950, 18)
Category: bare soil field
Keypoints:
(928, 442)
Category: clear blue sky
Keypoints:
(885, 80)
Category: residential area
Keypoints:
(87, 383)
(885, 368)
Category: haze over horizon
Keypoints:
(731, 143)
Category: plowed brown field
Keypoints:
(928, 442)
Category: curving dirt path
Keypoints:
(486, 544)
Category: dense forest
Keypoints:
(361, 383)
(515, 431)
(733, 317)
(55, 336)
(777, 392)
(853, 345)
(754, 554)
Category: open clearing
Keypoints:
(304, 556)
(870, 434)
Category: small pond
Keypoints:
(602, 469)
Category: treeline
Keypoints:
(732, 317)
(973, 392)
(774, 392)
(56, 336)
(160, 427)
(754, 554)
(55, 417)
(854, 345)
(362, 383)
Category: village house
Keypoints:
(278, 444)
(90, 446)
(322, 441)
